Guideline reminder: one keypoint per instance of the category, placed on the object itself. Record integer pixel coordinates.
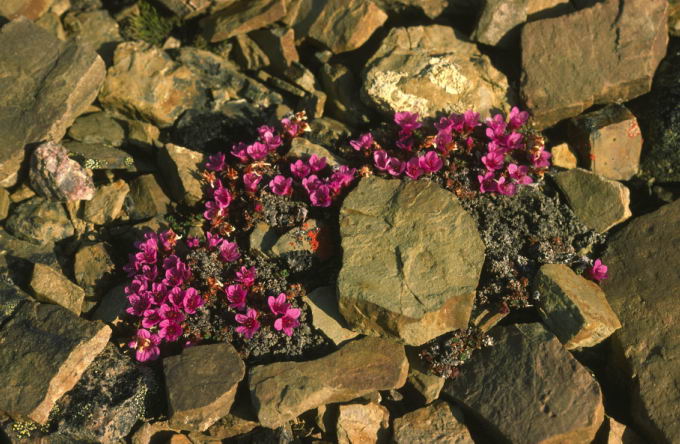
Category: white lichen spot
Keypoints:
(384, 89)
(446, 75)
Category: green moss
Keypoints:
(150, 25)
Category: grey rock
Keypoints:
(279, 45)
(326, 317)
(248, 54)
(56, 176)
(499, 22)
(40, 221)
(97, 128)
(96, 30)
(93, 268)
(342, 89)
(107, 203)
(146, 198)
(111, 310)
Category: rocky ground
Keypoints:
(409, 311)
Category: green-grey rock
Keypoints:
(40, 221)
(574, 309)
(412, 257)
(97, 128)
(97, 156)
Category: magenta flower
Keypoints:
(290, 126)
(442, 141)
(541, 159)
(171, 313)
(240, 151)
(495, 127)
(138, 304)
(505, 187)
(598, 271)
(281, 185)
(430, 162)
(288, 322)
(215, 162)
(493, 160)
(300, 169)
(470, 120)
(413, 169)
(192, 300)
(257, 151)
(175, 297)
(395, 166)
(278, 305)
(380, 159)
(246, 276)
(148, 273)
(212, 209)
(145, 345)
(151, 318)
(170, 330)
(192, 242)
(487, 184)
(519, 173)
(269, 137)
(517, 118)
(311, 183)
(222, 196)
(321, 196)
(212, 240)
(249, 323)
(316, 163)
(365, 141)
(344, 175)
(251, 181)
(408, 122)
(229, 251)
(236, 295)
(445, 125)
(176, 273)
(405, 143)
(159, 293)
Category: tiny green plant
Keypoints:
(150, 25)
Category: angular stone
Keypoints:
(621, 434)
(574, 308)
(242, 17)
(22, 193)
(642, 289)
(283, 390)
(93, 268)
(412, 257)
(437, 423)
(314, 103)
(500, 22)
(142, 134)
(97, 128)
(146, 198)
(528, 388)
(239, 421)
(56, 176)
(430, 69)
(563, 156)
(96, 30)
(248, 54)
(323, 302)
(279, 45)
(431, 8)
(107, 203)
(51, 286)
(21, 255)
(598, 202)
(51, 23)
(45, 85)
(342, 90)
(625, 42)
(427, 384)
(608, 141)
(187, 9)
(39, 221)
(4, 204)
(301, 148)
(362, 423)
(31, 9)
(111, 310)
(179, 167)
(201, 384)
(144, 82)
(46, 349)
(96, 156)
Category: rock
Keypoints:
(146, 198)
(201, 384)
(362, 423)
(625, 41)
(621, 434)
(237, 18)
(537, 8)
(327, 131)
(431, 8)
(4, 204)
(108, 400)
(31, 9)
(574, 308)
(49, 285)
(22, 193)
(96, 156)
(144, 82)
(51, 23)
(111, 310)
(279, 45)
(21, 255)
(179, 167)
(528, 388)
(500, 22)
(342, 90)
(107, 203)
(187, 9)
(325, 315)
(296, 239)
(642, 289)
(45, 351)
(56, 176)
(39, 221)
(563, 156)
(93, 268)
(142, 135)
(313, 103)
(301, 76)
(97, 128)
(437, 423)
(598, 202)
(301, 148)
(47, 84)
(283, 390)
(418, 235)
(239, 421)
(608, 141)
(248, 54)
(96, 30)
(430, 69)
(425, 383)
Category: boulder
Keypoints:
(97, 128)
(40, 221)
(55, 175)
(412, 257)
(437, 423)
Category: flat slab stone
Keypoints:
(437, 423)
(283, 390)
(323, 302)
(643, 288)
(411, 260)
(51, 286)
(237, 18)
(45, 349)
(528, 389)
(201, 384)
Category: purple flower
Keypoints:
(145, 345)
(278, 305)
(365, 141)
(215, 162)
(222, 197)
(167, 240)
(487, 184)
(316, 163)
(288, 322)
(408, 122)
(470, 120)
(519, 174)
(443, 140)
(229, 251)
(251, 181)
(517, 118)
(281, 185)
(300, 169)
(430, 162)
(380, 159)
(212, 209)
(505, 187)
(290, 126)
(395, 166)
(246, 276)
(598, 271)
(240, 151)
(413, 169)
(269, 137)
(148, 273)
(493, 160)
(541, 159)
(170, 330)
(311, 183)
(170, 313)
(405, 143)
(445, 125)
(495, 127)
(192, 242)
(159, 293)
(212, 240)
(249, 323)
(257, 151)
(138, 304)
(151, 318)
(321, 196)
(176, 271)
(512, 141)
(175, 296)
(236, 295)
(192, 300)
(344, 175)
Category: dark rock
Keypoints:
(96, 156)
(242, 17)
(248, 54)
(40, 221)
(111, 310)
(342, 90)
(20, 256)
(56, 176)
(279, 45)
(96, 30)
(146, 198)
(97, 128)
(430, 8)
(93, 268)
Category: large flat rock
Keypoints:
(411, 260)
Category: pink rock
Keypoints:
(54, 175)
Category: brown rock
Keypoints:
(302, 148)
(187, 9)
(279, 45)
(528, 389)
(239, 421)
(326, 317)
(22, 193)
(428, 385)
(31, 9)
(179, 167)
(431, 8)
(107, 203)
(621, 434)
(147, 198)
(499, 22)
(283, 390)
(574, 308)
(342, 89)
(643, 286)
(45, 350)
(438, 423)
(608, 141)
(92, 267)
(111, 310)
(362, 423)
(201, 384)
(96, 30)
(4, 204)
(563, 156)
(39, 221)
(51, 286)
(248, 54)
(618, 45)
(242, 17)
